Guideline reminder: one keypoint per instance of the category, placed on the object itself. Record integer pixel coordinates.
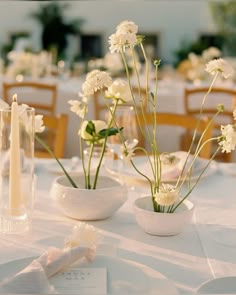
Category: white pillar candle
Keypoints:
(14, 173)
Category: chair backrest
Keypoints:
(218, 95)
(41, 96)
(184, 121)
(54, 135)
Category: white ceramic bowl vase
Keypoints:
(89, 204)
(162, 224)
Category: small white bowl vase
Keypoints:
(89, 204)
(162, 224)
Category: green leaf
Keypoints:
(90, 128)
(109, 132)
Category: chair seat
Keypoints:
(219, 95)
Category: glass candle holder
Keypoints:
(17, 180)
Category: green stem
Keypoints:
(88, 183)
(198, 122)
(199, 177)
(104, 147)
(82, 155)
(156, 207)
(194, 159)
(52, 154)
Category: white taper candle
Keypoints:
(14, 174)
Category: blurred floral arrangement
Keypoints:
(193, 68)
(27, 64)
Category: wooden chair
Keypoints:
(41, 96)
(186, 122)
(219, 95)
(54, 135)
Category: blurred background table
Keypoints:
(170, 99)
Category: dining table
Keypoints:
(204, 250)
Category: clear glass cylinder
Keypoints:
(124, 117)
(17, 179)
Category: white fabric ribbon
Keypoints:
(35, 277)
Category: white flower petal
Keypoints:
(119, 41)
(127, 27)
(221, 66)
(167, 195)
(228, 141)
(128, 150)
(95, 80)
(39, 125)
(83, 234)
(119, 90)
(234, 114)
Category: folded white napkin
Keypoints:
(35, 277)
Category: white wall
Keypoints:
(175, 20)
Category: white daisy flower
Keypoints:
(128, 150)
(234, 114)
(228, 138)
(95, 80)
(38, 119)
(119, 90)
(78, 107)
(38, 124)
(127, 27)
(120, 41)
(167, 195)
(211, 52)
(83, 234)
(221, 66)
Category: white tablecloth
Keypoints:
(204, 250)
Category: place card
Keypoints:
(81, 281)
